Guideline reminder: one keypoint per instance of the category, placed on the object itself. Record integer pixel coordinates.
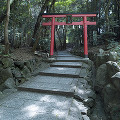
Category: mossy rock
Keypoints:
(19, 64)
(26, 72)
(5, 74)
(7, 62)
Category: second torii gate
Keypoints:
(68, 22)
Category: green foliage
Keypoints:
(2, 6)
(108, 36)
(25, 12)
(64, 3)
(44, 45)
(112, 45)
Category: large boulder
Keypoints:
(112, 101)
(5, 74)
(115, 112)
(101, 80)
(101, 59)
(109, 95)
(112, 69)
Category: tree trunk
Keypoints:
(64, 37)
(52, 6)
(37, 41)
(107, 15)
(59, 38)
(6, 28)
(3, 15)
(39, 19)
(55, 46)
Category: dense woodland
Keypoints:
(20, 23)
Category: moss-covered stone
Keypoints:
(101, 78)
(5, 74)
(112, 69)
(19, 64)
(28, 65)
(26, 72)
(16, 73)
(7, 62)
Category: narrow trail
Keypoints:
(59, 92)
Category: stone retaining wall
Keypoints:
(13, 73)
(107, 82)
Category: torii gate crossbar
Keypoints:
(60, 15)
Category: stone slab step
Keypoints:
(69, 63)
(63, 56)
(51, 91)
(39, 83)
(66, 66)
(61, 70)
(58, 75)
(80, 60)
(54, 80)
(67, 60)
(55, 92)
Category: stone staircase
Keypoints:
(65, 77)
(60, 92)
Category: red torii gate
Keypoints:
(60, 15)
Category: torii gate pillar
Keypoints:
(52, 36)
(85, 37)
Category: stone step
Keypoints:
(61, 71)
(50, 91)
(53, 60)
(46, 91)
(69, 63)
(64, 56)
(46, 84)
(62, 91)
(66, 66)
(58, 75)
(68, 60)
